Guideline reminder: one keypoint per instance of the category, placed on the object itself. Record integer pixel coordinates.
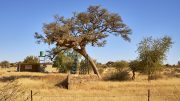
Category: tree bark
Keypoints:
(95, 70)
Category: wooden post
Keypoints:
(149, 94)
(19, 67)
(87, 63)
(69, 81)
(31, 96)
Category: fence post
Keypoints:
(31, 96)
(149, 94)
(69, 81)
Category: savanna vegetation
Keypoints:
(119, 80)
(85, 28)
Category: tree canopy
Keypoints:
(31, 59)
(85, 28)
(5, 64)
(152, 52)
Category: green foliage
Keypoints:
(5, 64)
(120, 65)
(31, 60)
(63, 62)
(134, 65)
(121, 72)
(152, 52)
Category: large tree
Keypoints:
(82, 29)
(152, 52)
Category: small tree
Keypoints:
(31, 60)
(85, 28)
(63, 62)
(66, 60)
(134, 66)
(152, 52)
(5, 64)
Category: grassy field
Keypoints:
(47, 89)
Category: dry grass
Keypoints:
(46, 85)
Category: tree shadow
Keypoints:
(63, 84)
(12, 78)
(118, 76)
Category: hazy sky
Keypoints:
(20, 19)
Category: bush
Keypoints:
(134, 66)
(13, 91)
(155, 76)
(120, 65)
(13, 65)
(118, 76)
(5, 64)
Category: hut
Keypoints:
(27, 67)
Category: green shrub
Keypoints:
(63, 63)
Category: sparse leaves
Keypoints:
(152, 52)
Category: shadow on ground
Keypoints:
(11, 78)
(63, 84)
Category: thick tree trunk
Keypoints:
(84, 53)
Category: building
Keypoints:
(27, 67)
